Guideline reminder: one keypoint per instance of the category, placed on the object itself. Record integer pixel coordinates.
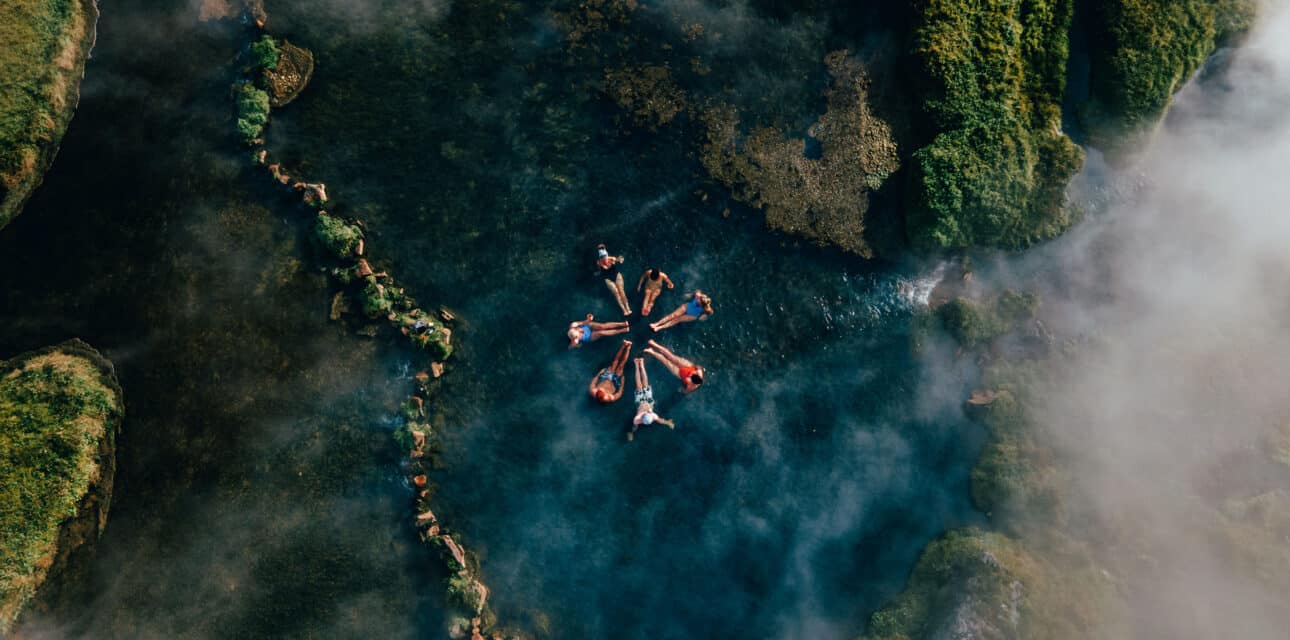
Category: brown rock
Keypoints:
(458, 554)
(291, 76)
(339, 305)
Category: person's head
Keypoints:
(575, 333)
(696, 378)
(655, 274)
(601, 395)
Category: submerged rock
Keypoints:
(60, 410)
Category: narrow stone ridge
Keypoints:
(368, 298)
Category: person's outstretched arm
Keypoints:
(668, 281)
(640, 283)
(669, 423)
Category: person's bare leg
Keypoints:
(648, 304)
(613, 289)
(620, 292)
(641, 380)
(606, 326)
(666, 363)
(664, 323)
(672, 357)
(620, 360)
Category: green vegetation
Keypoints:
(973, 323)
(58, 412)
(252, 111)
(1144, 51)
(337, 237)
(966, 578)
(462, 590)
(44, 47)
(264, 54)
(993, 74)
(378, 299)
(1015, 475)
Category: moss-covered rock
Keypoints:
(60, 409)
(989, 586)
(252, 111)
(44, 47)
(967, 584)
(995, 173)
(337, 237)
(1143, 52)
(973, 323)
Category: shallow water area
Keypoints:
(803, 479)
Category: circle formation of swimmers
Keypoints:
(608, 384)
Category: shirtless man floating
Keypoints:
(608, 385)
(645, 415)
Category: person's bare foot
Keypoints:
(654, 343)
(628, 344)
(649, 351)
(630, 436)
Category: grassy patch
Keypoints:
(40, 53)
(55, 412)
(995, 173)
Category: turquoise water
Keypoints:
(259, 495)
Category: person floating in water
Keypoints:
(653, 281)
(645, 415)
(581, 333)
(613, 278)
(607, 386)
(698, 308)
(690, 374)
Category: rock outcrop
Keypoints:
(291, 75)
(60, 410)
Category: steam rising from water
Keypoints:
(1185, 287)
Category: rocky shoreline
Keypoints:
(16, 188)
(33, 566)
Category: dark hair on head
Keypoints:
(654, 274)
(696, 378)
(600, 246)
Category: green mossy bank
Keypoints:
(992, 75)
(42, 59)
(60, 409)
(1143, 52)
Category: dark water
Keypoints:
(256, 495)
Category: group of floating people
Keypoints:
(608, 384)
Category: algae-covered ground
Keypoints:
(59, 413)
(42, 56)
